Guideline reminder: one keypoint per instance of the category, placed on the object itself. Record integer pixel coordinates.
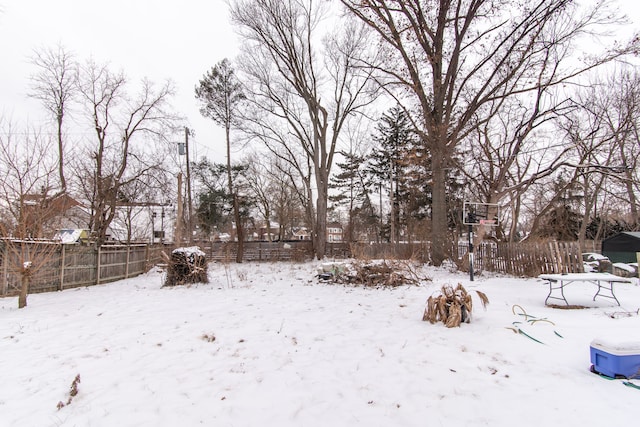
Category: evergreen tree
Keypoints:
(215, 204)
(395, 165)
(562, 221)
(353, 193)
(220, 94)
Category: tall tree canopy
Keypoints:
(303, 85)
(220, 94)
(451, 59)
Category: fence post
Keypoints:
(98, 266)
(577, 258)
(62, 263)
(5, 274)
(126, 267)
(559, 259)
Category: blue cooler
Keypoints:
(615, 359)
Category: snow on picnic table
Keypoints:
(267, 344)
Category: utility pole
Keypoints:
(189, 211)
(177, 235)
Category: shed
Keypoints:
(623, 247)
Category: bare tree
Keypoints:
(55, 85)
(599, 173)
(271, 184)
(453, 58)
(26, 171)
(126, 131)
(288, 203)
(260, 183)
(221, 95)
(301, 95)
(622, 118)
(513, 147)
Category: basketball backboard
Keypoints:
(478, 213)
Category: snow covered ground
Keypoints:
(267, 345)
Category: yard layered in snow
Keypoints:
(266, 344)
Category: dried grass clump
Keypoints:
(452, 306)
(379, 274)
(73, 392)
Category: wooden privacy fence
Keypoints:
(518, 259)
(303, 251)
(259, 251)
(69, 266)
(57, 267)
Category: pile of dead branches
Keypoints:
(186, 265)
(452, 306)
(378, 274)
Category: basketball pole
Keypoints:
(470, 221)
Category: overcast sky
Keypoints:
(158, 39)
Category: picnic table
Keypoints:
(604, 282)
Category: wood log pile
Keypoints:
(185, 266)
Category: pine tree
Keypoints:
(353, 193)
(390, 163)
(215, 209)
(221, 95)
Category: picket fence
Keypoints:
(526, 259)
(517, 259)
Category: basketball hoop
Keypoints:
(478, 213)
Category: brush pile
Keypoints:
(372, 274)
(186, 265)
(452, 306)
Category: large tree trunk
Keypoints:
(309, 212)
(239, 229)
(63, 181)
(24, 290)
(236, 204)
(438, 211)
(320, 230)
